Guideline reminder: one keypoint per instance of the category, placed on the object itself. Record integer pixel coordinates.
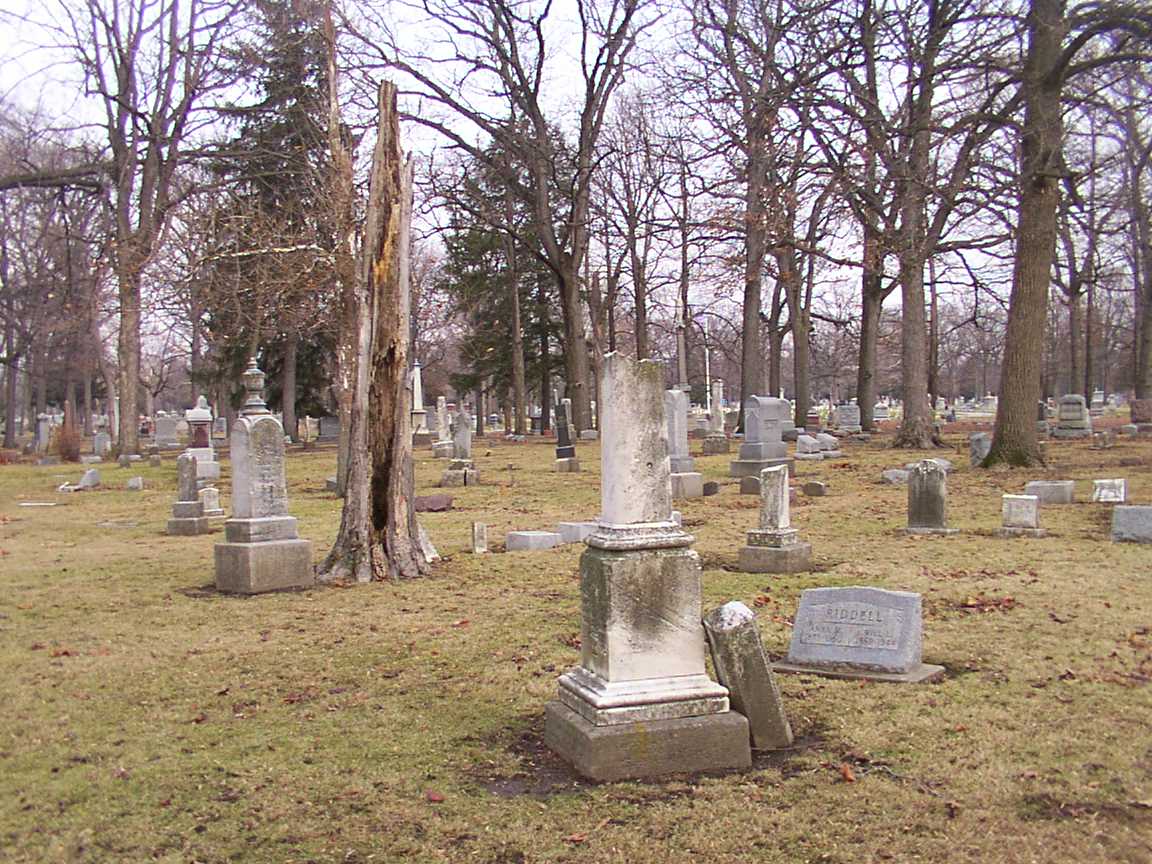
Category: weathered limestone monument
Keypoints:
(443, 447)
(928, 499)
(774, 546)
(187, 511)
(461, 471)
(262, 551)
(640, 703)
(687, 482)
(716, 441)
(566, 460)
(420, 434)
(763, 446)
(859, 632)
(1072, 418)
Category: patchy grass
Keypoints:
(148, 718)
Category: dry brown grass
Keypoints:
(148, 718)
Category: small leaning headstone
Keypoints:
(928, 499)
(979, 446)
(742, 666)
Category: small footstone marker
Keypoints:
(859, 632)
(479, 538)
(742, 667)
(815, 489)
(531, 541)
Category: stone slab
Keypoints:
(261, 530)
(714, 446)
(750, 485)
(443, 450)
(793, 558)
(753, 467)
(432, 503)
(254, 568)
(858, 628)
(1052, 491)
(479, 538)
(1112, 491)
(654, 748)
(188, 527)
(569, 465)
(742, 666)
(575, 532)
(814, 489)
(687, 485)
(589, 435)
(1132, 523)
(894, 477)
(531, 541)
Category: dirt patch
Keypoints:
(542, 773)
(1045, 806)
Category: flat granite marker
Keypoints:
(773, 547)
(687, 482)
(742, 667)
(1052, 491)
(1113, 491)
(859, 632)
(1132, 524)
(763, 447)
(928, 499)
(640, 704)
(262, 551)
(187, 511)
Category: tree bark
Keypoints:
(871, 312)
(751, 349)
(128, 353)
(288, 385)
(1075, 337)
(378, 537)
(519, 374)
(1014, 438)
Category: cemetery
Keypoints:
(592, 432)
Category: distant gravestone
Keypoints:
(210, 503)
(531, 541)
(575, 532)
(90, 480)
(187, 511)
(686, 481)
(566, 461)
(808, 449)
(167, 434)
(1052, 491)
(716, 440)
(928, 499)
(979, 446)
(479, 538)
(774, 546)
(101, 444)
(1110, 491)
(742, 666)
(135, 484)
(859, 632)
(1072, 418)
(1020, 516)
(848, 417)
(763, 447)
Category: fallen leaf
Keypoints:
(578, 837)
(463, 622)
(433, 797)
(199, 718)
(847, 773)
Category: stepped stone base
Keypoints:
(793, 558)
(753, 467)
(651, 748)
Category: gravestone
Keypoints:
(774, 546)
(101, 444)
(220, 429)
(1132, 524)
(762, 446)
(167, 435)
(479, 538)
(880, 412)
(566, 460)
(329, 429)
(90, 480)
(1105, 439)
(575, 532)
(686, 481)
(461, 471)
(848, 417)
(262, 551)
(1052, 491)
(531, 541)
(1020, 516)
(742, 666)
(928, 499)
(894, 476)
(808, 449)
(1072, 418)
(640, 703)
(829, 445)
(420, 433)
(43, 433)
(859, 632)
(815, 489)
(979, 446)
(716, 441)
(135, 484)
(1110, 491)
(1042, 418)
(210, 503)
(199, 421)
(187, 511)
(444, 448)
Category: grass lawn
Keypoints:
(148, 718)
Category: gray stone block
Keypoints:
(1113, 491)
(254, 568)
(791, 558)
(443, 450)
(653, 748)
(260, 530)
(589, 435)
(575, 532)
(742, 666)
(135, 484)
(815, 489)
(1132, 523)
(979, 445)
(1052, 491)
(711, 488)
(90, 480)
(530, 541)
(714, 445)
(569, 465)
(895, 477)
(687, 485)
(750, 485)
(753, 467)
(190, 526)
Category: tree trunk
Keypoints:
(871, 310)
(128, 355)
(545, 371)
(10, 407)
(1014, 438)
(576, 350)
(87, 420)
(775, 360)
(1075, 338)
(933, 342)
(751, 349)
(1087, 380)
(519, 383)
(288, 385)
(378, 537)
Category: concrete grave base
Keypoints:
(833, 454)
(716, 445)
(687, 485)
(922, 530)
(575, 532)
(924, 673)
(460, 477)
(810, 457)
(1022, 532)
(253, 568)
(443, 450)
(188, 526)
(530, 541)
(753, 467)
(652, 748)
(794, 558)
(570, 465)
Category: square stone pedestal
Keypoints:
(792, 558)
(650, 748)
(443, 450)
(568, 465)
(188, 526)
(753, 467)
(715, 444)
(272, 565)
